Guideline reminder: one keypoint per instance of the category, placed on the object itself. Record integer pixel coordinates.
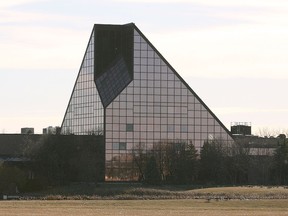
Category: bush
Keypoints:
(12, 179)
(62, 159)
(35, 185)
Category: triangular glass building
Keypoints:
(127, 92)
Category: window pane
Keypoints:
(122, 146)
(129, 127)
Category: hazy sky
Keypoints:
(233, 54)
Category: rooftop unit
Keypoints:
(241, 128)
(27, 130)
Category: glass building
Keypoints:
(127, 92)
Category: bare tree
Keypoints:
(270, 132)
(140, 159)
(266, 132)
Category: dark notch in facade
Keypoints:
(113, 59)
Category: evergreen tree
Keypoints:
(213, 163)
(152, 174)
(281, 163)
(238, 162)
(186, 164)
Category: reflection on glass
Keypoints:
(156, 107)
(172, 111)
(85, 113)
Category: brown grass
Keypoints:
(247, 192)
(144, 207)
(140, 192)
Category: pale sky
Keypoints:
(233, 54)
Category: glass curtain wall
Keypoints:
(156, 107)
(85, 113)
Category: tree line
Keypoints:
(55, 160)
(58, 160)
(216, 164)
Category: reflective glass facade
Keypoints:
(85, 112)
(153, 107)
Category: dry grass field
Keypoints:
(144, 207)
(140, 192)
(139, 200)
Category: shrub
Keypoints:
(12, 179)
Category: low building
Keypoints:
(257, 146)
(52, 130)
(85, 153)
(13, 147)
(27, 130)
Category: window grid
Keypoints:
(160, 107)
(85, 111)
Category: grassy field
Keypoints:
(144, 207)
(136, 199)
(140, 192)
